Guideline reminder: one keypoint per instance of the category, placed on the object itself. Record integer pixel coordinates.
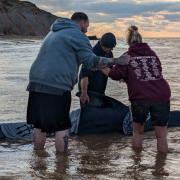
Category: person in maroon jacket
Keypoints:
(148, 91)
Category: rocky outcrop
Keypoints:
(23, 18)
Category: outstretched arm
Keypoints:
(84, 98)
(118, 72)
(86, 56)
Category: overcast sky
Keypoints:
(155, 18)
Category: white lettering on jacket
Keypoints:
(146, 68)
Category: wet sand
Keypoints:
(92, 157)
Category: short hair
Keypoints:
(78, 16)
(133, 36)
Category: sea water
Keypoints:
(89, 157)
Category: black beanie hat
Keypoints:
(108, 40)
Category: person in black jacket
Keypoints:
(94, 81)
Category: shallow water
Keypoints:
(90, 157)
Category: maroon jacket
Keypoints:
(143, 75)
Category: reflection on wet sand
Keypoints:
(38, 163)
(101, 156)
(139, 169)
(158, 168)
(42, 165)
(104, 157)
(92, 157)
(135, 170)
(96, 159)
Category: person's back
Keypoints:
(60, 62)
(148, 91)
(53, 75)
(143, 75)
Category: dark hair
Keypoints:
(108, 40)
(77, 16)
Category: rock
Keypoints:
(24, 18)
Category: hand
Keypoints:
(102, 67)
(122, 81)
(84, 98)
(122, 60)
(106, 71)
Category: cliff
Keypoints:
(23, 18)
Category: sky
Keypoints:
(154, 18)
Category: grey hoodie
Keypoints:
(63, 50)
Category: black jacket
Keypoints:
(97, 80)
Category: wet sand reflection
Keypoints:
(43, 168)
(92, 157)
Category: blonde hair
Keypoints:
(133, 36)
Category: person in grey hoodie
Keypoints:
(53, 75)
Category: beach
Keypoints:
(89, 157)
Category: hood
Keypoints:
(140, 49)
(63, 23)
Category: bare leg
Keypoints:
(138, 131)
(61, 140)
(161, 136)
(39, 139)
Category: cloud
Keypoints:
(150, 15)
(64, 13)
(111, 6)
(155, 1)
